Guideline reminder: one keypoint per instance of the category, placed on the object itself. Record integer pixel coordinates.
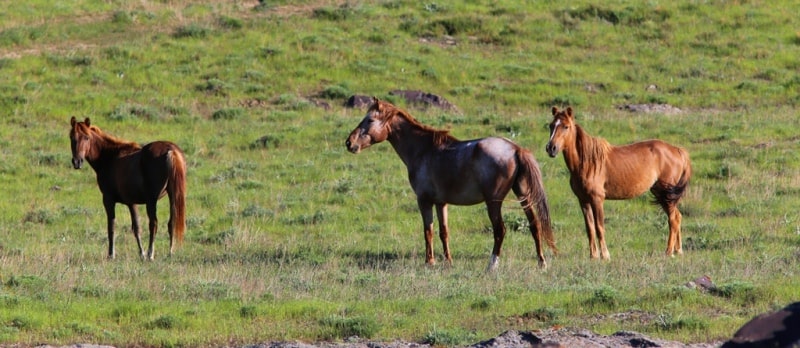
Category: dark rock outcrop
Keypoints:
(775, 329)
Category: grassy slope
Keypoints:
(301, 240)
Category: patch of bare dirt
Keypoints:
(549, 338)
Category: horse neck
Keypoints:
(587, 153)
(411, 140)
(106, 147)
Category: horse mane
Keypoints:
(593, 150)
(113, 143)
(440, 137)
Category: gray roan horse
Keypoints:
(443, 170)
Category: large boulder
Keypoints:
(424, 99)
(775, 329)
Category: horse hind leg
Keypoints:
(536, 232)
(444, 231)
(153, 217)
(669, 204)
(674, 240)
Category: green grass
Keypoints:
(292, 238)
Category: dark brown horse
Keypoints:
(443, 170)
(131, 174)
(600, 171)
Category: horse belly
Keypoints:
(629, 186)
(451, 186)
(130, 183)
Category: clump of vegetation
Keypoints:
(448, 338)
(135, 111)
(194, 31)
(341, 327)
(604, 296)
(228, 114)
(545, 314)
(165, 322)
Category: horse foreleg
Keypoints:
(589, 222)
(444, 232)
(600, 228)
(151, 215)
(499, 231)
(136, 227)
(426, 210)
(110, 217)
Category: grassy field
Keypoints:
(290, 237)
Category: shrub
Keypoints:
(340, 327)
(544, 314)
(164, 322)
(343, 12)
(485, 303)
(266, 142)
(227, 114)
(121, 17)
(190, 31)
(335, 92)
(134, 111)
(604, 296)
(40, 216)
(248, 311)
(667, 323)
(457, 337)
(229, 22)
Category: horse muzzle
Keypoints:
(551, 149)
(353, 148)
(77, 163)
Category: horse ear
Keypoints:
(88, 123)
(555, 110)
(73, 121)
(569, 111)
(377, 103)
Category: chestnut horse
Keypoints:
(131, 174)
(443, 170)
(600, 171)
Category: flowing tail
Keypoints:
(671, 194)
(535, 196)
(176, 189)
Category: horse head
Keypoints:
(373, 128)
(79, 140)
(561, 128)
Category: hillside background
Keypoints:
(290, 237)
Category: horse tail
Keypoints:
(671, 194)
(176, 188)
(536, 197)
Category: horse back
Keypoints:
(465, 172)
(139, 177)
(156, 163)
(633, 169)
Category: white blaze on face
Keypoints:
(553, 131)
